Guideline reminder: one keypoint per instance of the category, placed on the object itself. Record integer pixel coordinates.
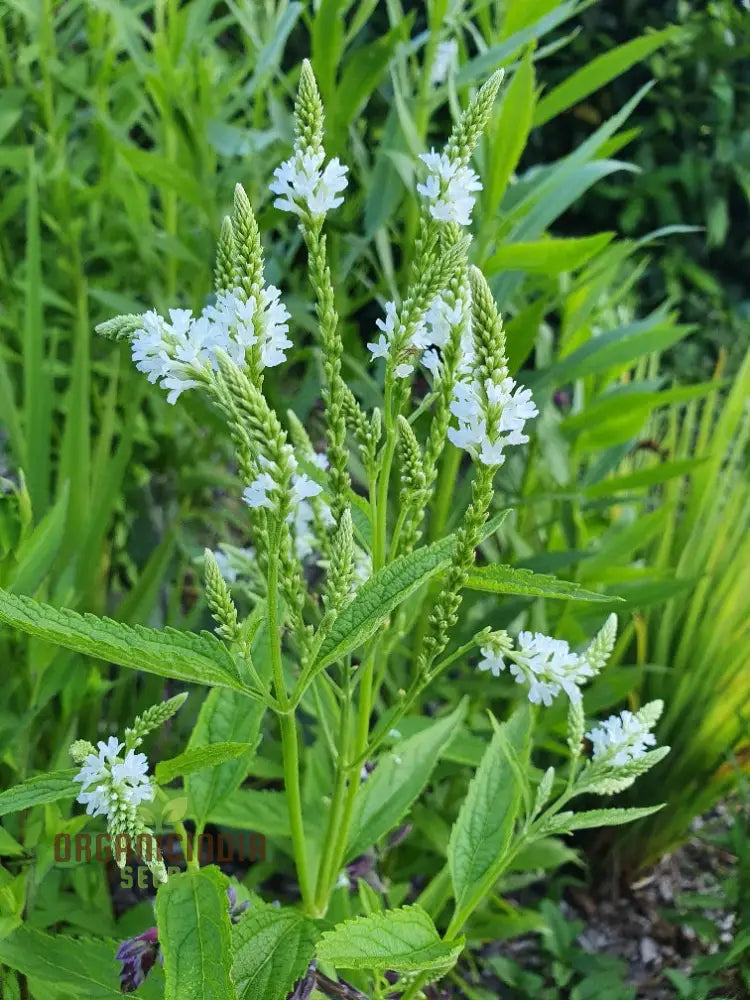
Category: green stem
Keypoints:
(445, 496)
(381, 507)
(189, 847)
(290, 753)
(445, 493)
(289, 743)
(346, 812)
(327, 871)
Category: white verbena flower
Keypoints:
(490, 417)
(304, 186)
(118, 782)
(430, 333)
(393, 329)
(173, 352)
(621, 739)
(492, 660)
(256, 494)
(446, 56)
(304, 487)
(449, 188)
(547, 666)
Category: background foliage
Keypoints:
(613, 224)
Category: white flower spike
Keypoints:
(449, 188)
(305, 187)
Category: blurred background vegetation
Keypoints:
(613, 225)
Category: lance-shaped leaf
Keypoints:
(568, 821)
(483, 830)
(195, 936)
(382, 593)
(400, 776)
(227, 716)
(378, 597)
(198, 759)
(272, 948)
(499, 579)
(402, 940)
(198, 659)
(39, 790)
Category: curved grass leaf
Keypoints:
(599, 72)
(655, 475)
(403, 940)
(272, 948)
(198, 659)
(192, 913)
(499, 579)
(38, 790)
(550, 256)
(615, 348)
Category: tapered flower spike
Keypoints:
(224, 267)
(472, 123)
(152, 718)
(341, 569)
(576, 727)
(489, 336)
(120, 327)
(247, 249)
(219, 599)
(603, 643)
(308, 111)
(491, 409)
(544, 790)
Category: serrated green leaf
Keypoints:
(192, 913)
(403, 940)
(38, 790)
(199, 758)
(198, 659)
(259, 810)
(497, 579)
(482, 832)
(84, 968)
(224, 716)
(378, 597)
(397, 781)
(272, 948)
(569, 821)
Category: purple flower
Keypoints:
(235, 910)
(138, 955)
